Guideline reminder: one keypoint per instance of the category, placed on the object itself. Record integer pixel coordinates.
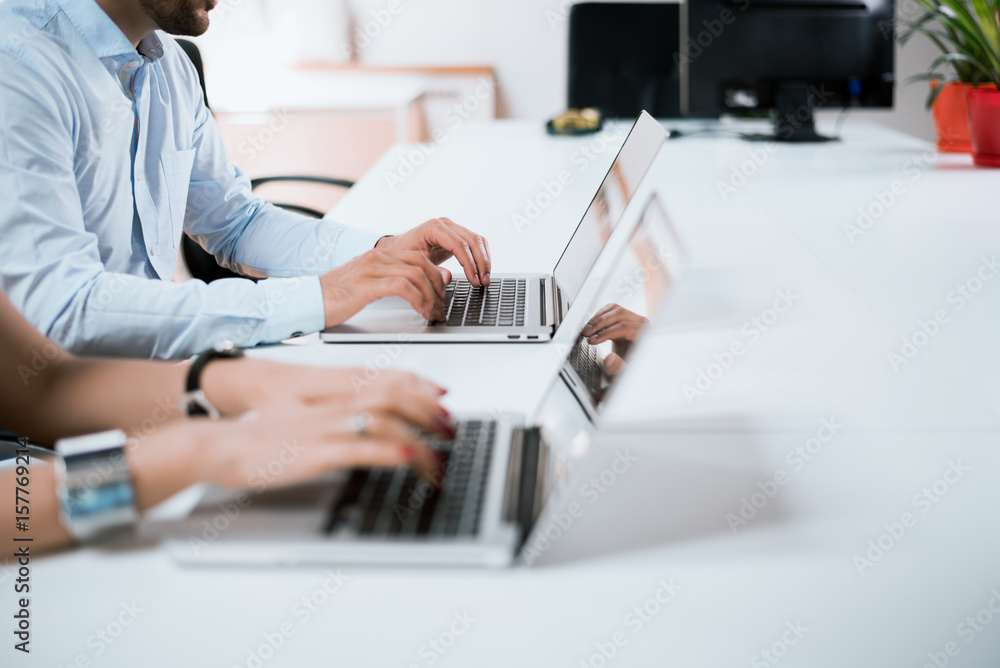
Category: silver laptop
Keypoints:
(518, 307)
(498, 473)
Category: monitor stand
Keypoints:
(793, 121)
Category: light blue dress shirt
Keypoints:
(108, 154)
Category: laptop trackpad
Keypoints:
(389, 304)
(391, 314)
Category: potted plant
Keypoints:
(963, 100)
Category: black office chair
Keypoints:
(622, 58)
(200, 262)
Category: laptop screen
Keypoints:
(607, 207)
(635, 288)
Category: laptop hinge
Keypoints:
(543, 302)
(524, 494)
(555, 300)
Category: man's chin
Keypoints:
(195, 28)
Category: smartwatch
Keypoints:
(194, 402)
(94, 485)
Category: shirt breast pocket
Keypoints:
(176, 168)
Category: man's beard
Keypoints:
(178, 17)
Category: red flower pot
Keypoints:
(951, 117)
(984, 126)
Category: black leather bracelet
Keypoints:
(194, 401)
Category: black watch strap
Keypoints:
(192, 385)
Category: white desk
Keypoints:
(793, 563)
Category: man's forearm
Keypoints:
(120, 315)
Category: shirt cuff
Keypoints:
(293, 307)
(354, 241)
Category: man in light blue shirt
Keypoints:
(108, 154)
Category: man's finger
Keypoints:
(619, 330)
(614, 364)
(395, 285)
(449, 240)
(591, 325)
(417, 275)
(418, 259)
(477, 245)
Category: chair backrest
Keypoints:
(200, 263)
(623, 58)
(194, 54)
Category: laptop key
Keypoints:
(347, 499)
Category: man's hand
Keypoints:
(383, 273)
(618, 324)
(439, 240)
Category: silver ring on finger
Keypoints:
(361, 422)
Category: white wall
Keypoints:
(525, 40)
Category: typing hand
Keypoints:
(619, 325)
(238, 386)
(291, 444)
(384, 273)
(439, 240)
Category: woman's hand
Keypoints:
(238, 386)
(279, 446)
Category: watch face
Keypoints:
(94, 484)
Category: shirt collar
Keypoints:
(103, 36)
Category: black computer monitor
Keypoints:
(787, 57)
(621, 58)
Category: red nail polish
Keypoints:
(409, 452)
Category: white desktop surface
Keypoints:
(793, 563)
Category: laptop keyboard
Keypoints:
(501, 304)
(398, 502)
(586, 361)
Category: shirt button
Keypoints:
(152, 251)
(296, 335)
